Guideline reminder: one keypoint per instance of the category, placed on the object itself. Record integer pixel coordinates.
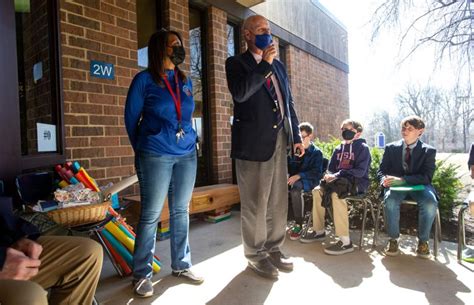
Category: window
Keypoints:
(38, 77)
(232, 39)
(282, 51)
(201, 112)
(149, 21)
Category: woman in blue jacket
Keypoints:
(158, 114)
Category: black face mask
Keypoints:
(348, 134)
(178, 55)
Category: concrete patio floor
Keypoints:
(361, 277)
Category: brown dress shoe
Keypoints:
(264, 268)
(281, 261)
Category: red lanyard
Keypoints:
(177, 97)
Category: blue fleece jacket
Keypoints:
(310, 167)
(151, 119)
(352, 161)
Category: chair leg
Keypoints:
(461, 232)
(377, 219)
(437, 234)
(364, 218)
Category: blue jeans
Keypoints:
(160, 176)
(427, 205)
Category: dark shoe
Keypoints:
(143, 287)
(188, 276)
(280, 261)
(339, 249)
(392, 248)
(312, 236)
(423, 250)
(264, 268)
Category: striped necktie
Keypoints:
(272, 90)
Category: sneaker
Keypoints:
(189, 276)
(143, 287)
(295, 232)
(423, 250)
(339, 249)
(392, 248)
(312, 236)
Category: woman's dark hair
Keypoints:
(157, 53)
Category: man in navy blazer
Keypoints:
(409, 162)
(264, 124)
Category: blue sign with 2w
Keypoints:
(102, 69)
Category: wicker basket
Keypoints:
(80, 215)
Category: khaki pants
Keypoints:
(70, 267)
(340, 213)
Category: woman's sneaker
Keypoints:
(188, 276)
(143, 287)
(295, 232)
(392, 248)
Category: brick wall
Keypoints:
(219, 95)
(320, 92)
(103, 30)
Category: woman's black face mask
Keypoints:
(348, 134)
(178, 55)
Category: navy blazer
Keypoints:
(255, 116)
(421, 168)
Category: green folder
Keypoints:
(408, 188)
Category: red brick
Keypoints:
(83, 86)
(105, 162)
(77, 142)
(87, 131)
(102, 99)
(115, 131)
(72, 29)
(98, 15)
(104, 141)
(100, 36)
(103, 120)
(86, 108)
(70, 119)
(78, 153)
(76, 97)
(120, 171)
(118, 151)
(83, 22)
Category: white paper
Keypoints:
(46, 135)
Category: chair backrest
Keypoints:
(32, 187)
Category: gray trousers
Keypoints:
(264, 202)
